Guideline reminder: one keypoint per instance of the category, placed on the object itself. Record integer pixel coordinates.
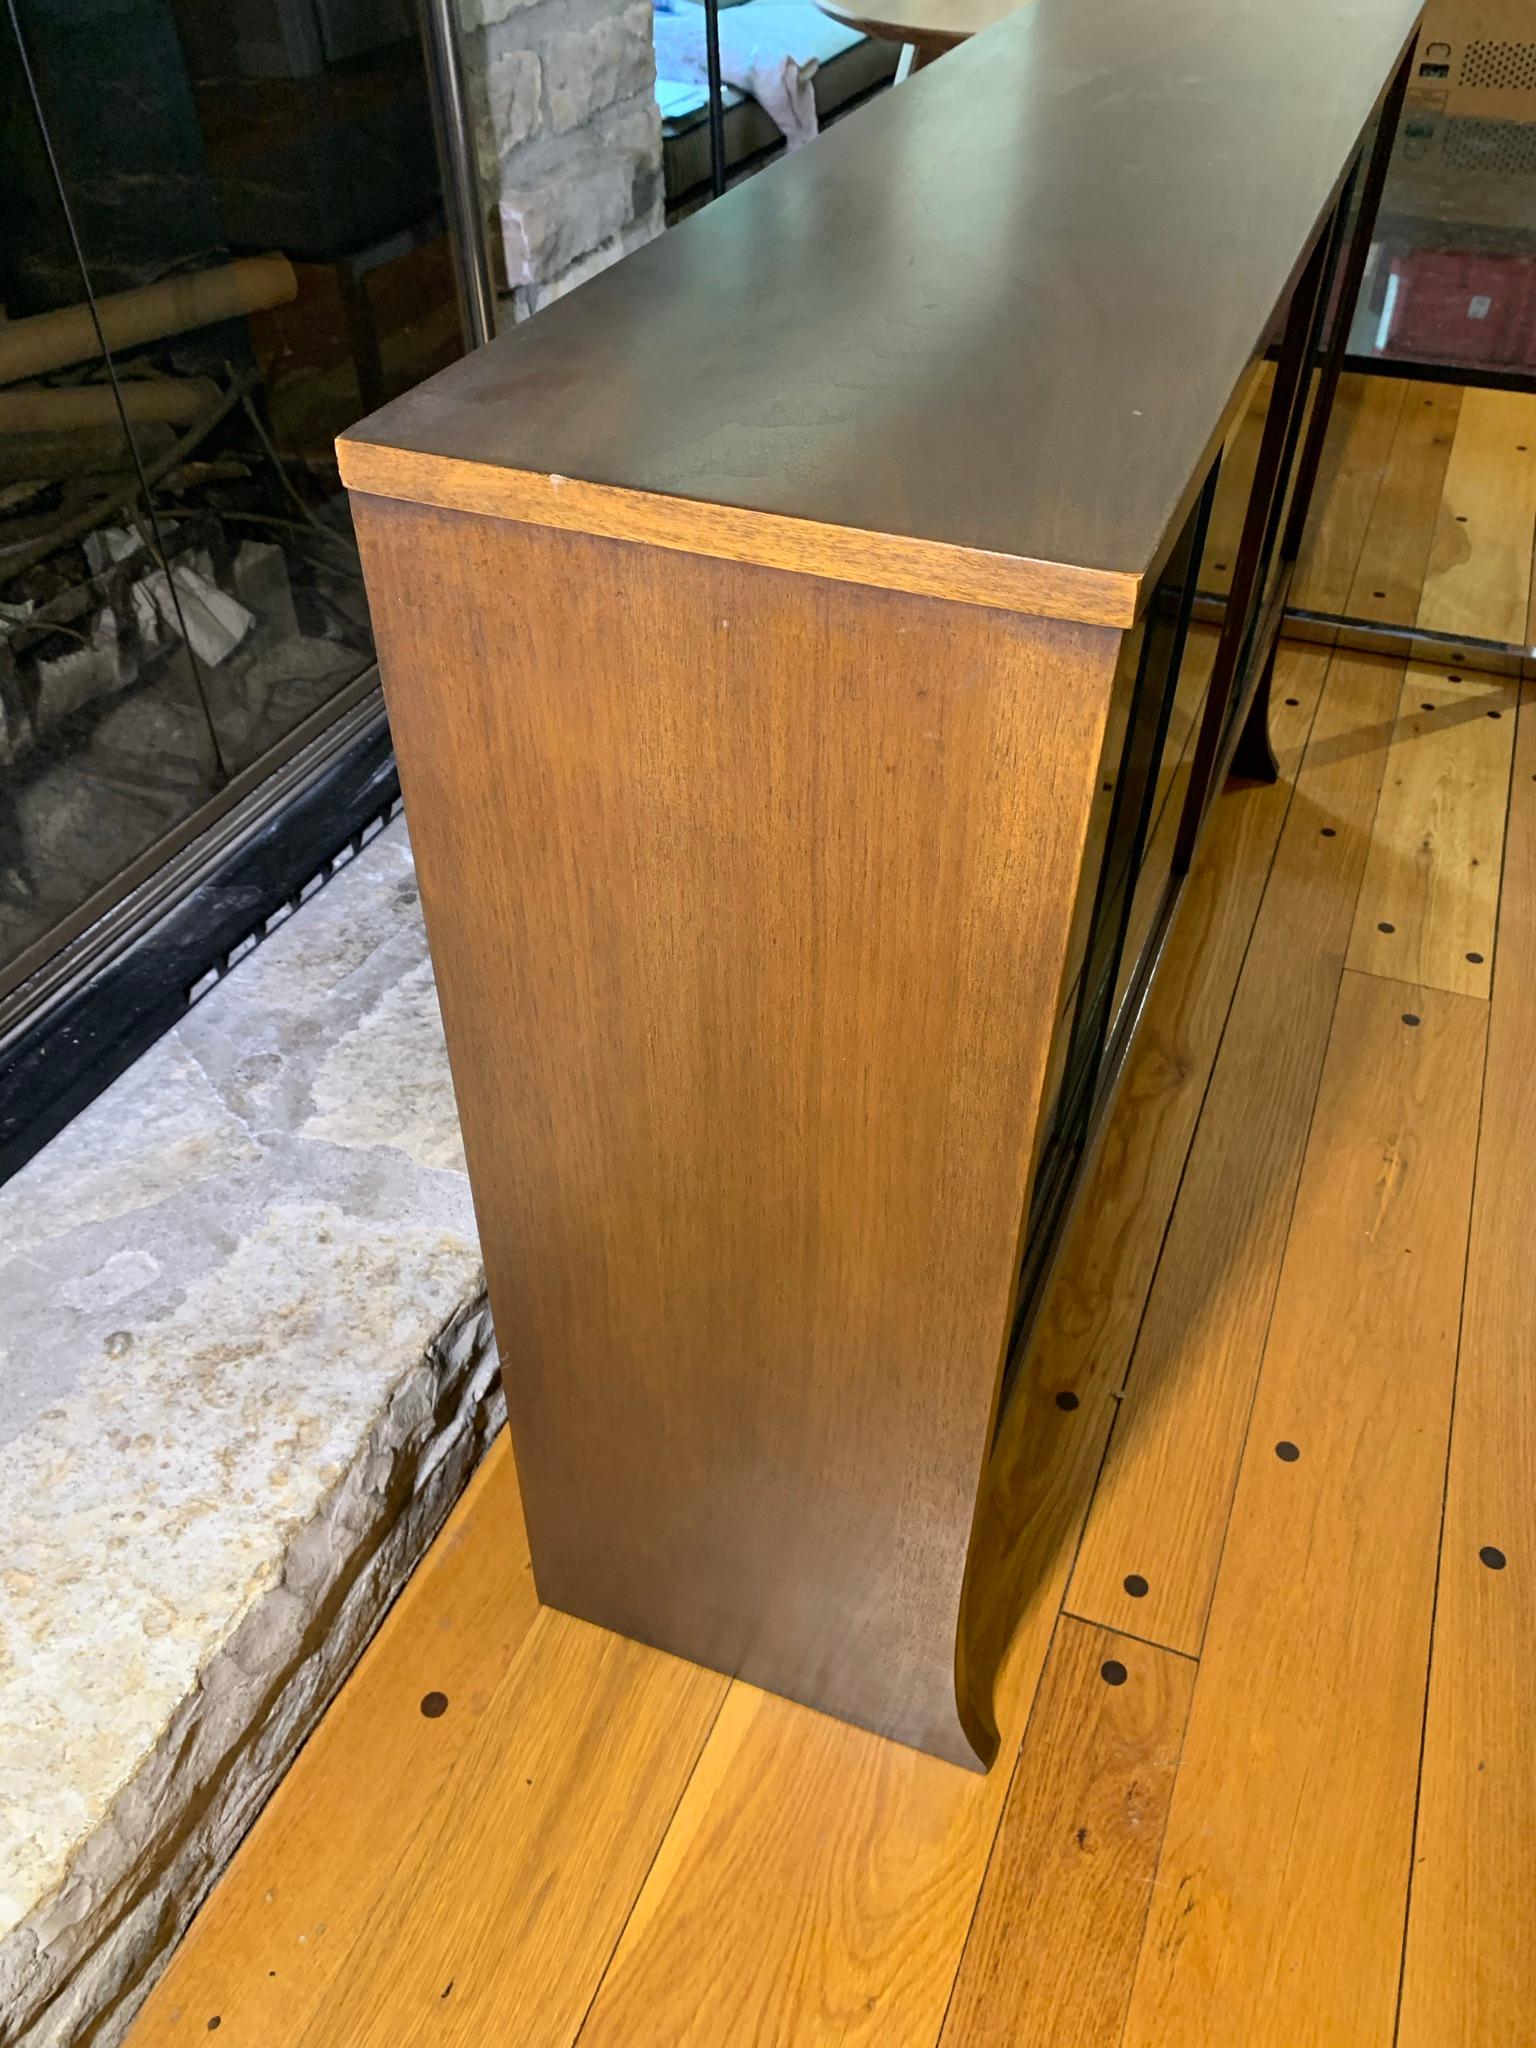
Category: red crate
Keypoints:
(1459, 308)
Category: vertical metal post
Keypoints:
(1344, 308)
(462, 202)
(1245, 599)
(716, 97)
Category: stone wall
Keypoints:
(568, 137)
(246, 1367)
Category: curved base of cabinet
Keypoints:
(749, 896)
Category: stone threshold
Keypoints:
(246, 1366)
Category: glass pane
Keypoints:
(105, 743)
(1156, 869)
(1291, 377)
(254, 189)
(1234, 486)
(1158, 694)
(1452, 282)
(1155, 711)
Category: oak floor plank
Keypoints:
(507, 1876)
(517, 1885)
(1478, 582)
(272, 1939)
(1053, 1947)
(763, 1923)
(1389, 576)
(1470, 1969)
(1087, 1321)
(815, 1887)
(1277, 1915)
(1356, 454)
(1148, 1558)
(1429, 897)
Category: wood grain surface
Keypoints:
(1277, 1914)
(276, 1938)
(748, 946)
(1070, 1379)
(754, 1875)
(1430, 893)
(874, 560)
(930, 24)
(1478, 581)
(1009, 310)
(507, 1901)
(1389, 575)
(1470, 1970)
(820, 1940)
(1052, 1950)
(1162, 1502)
(1355, 457)
(812, 1886)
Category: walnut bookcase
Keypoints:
(779, 637)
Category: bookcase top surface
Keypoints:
(980, 339)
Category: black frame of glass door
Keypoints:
(1234, 728)
(1234, 734)
(1096, 1028)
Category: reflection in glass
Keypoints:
(223, 242)
(1443, 345)
(1126, 881)
(1155, 710)
(105, 741)
(1452, 283)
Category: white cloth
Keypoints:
(762, 52)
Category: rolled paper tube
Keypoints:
(37, 409)
(51, 341)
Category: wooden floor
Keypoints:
(1425, 510)
(1260, 1560)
